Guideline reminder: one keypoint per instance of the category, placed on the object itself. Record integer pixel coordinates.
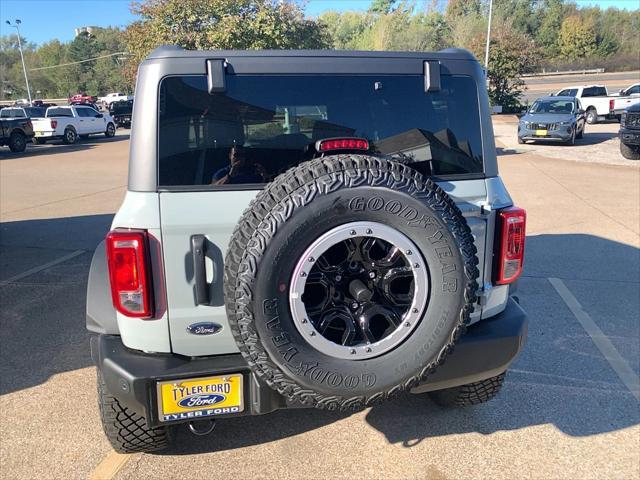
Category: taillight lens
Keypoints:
(128, 257)
(510, 245)
(54, 124)
(342, 144)
(611, 104)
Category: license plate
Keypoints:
(194, 398)
(541, 133)
(39, 134)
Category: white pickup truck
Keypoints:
(596, 101)
(110, 98)
(625, 98)
(69, 123)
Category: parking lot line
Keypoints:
(619, 364)
(41, 267)
(110, 466)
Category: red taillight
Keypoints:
(342, 144)
(511, 225)
(128, 257)
(54, 124)
(611, 104)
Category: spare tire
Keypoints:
(348, 280)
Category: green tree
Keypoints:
(552, 12)
(221, 24)
(511, 54)
(462, 8)
(381, 6)
(577, 38)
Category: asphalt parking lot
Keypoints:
(569, 409)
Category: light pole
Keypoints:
(486, 52)
(24, 69)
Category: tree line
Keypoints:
(527, 36)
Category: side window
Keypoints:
(600, 92)
(587, 92)
(563, 93)
(83, 112)
(634, 89)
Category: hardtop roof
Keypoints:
(173, 51)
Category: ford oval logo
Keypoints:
(201, 400)
(204, 328)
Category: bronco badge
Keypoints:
(204, 328)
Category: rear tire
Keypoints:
(127, 431)
(70, 136)
(592, 116)
(520, 141)
(469, 394)
(17, 142)
(629, 152)
(111, 130)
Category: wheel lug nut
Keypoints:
(368, 350)
(369, 231)
(303, 274)
(407, 324)
(355, 305)
(372, 274)
(353, 351)
(415, 310)
(304, 320)
(311, 259)
(409, 252)
(415, 265)
(313, 334)
(353, 232)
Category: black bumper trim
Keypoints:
(486, 350)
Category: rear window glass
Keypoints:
(263, 125)
(11, 112)
(59, 112)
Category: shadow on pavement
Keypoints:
(560, 379)
(42, 316)
(56, 146)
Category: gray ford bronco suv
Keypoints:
(303, 229)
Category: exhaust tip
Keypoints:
(202, 427)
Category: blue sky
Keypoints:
(43, 20)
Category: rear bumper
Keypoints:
(486, 350)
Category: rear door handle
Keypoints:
(198, 254)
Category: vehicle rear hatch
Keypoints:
(276, 119)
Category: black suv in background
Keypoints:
(121, 113)
(630, 133)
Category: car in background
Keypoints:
(626, 97)
(597, 102)
(22, 112)
(82, 98)
(630, 133)
(69, 123)
(110, 98)
(552, 119)
(16, 133)
(121, 112)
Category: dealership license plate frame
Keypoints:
(541, 133)
(168, 407)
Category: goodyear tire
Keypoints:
(126, 430)
(270, 245)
